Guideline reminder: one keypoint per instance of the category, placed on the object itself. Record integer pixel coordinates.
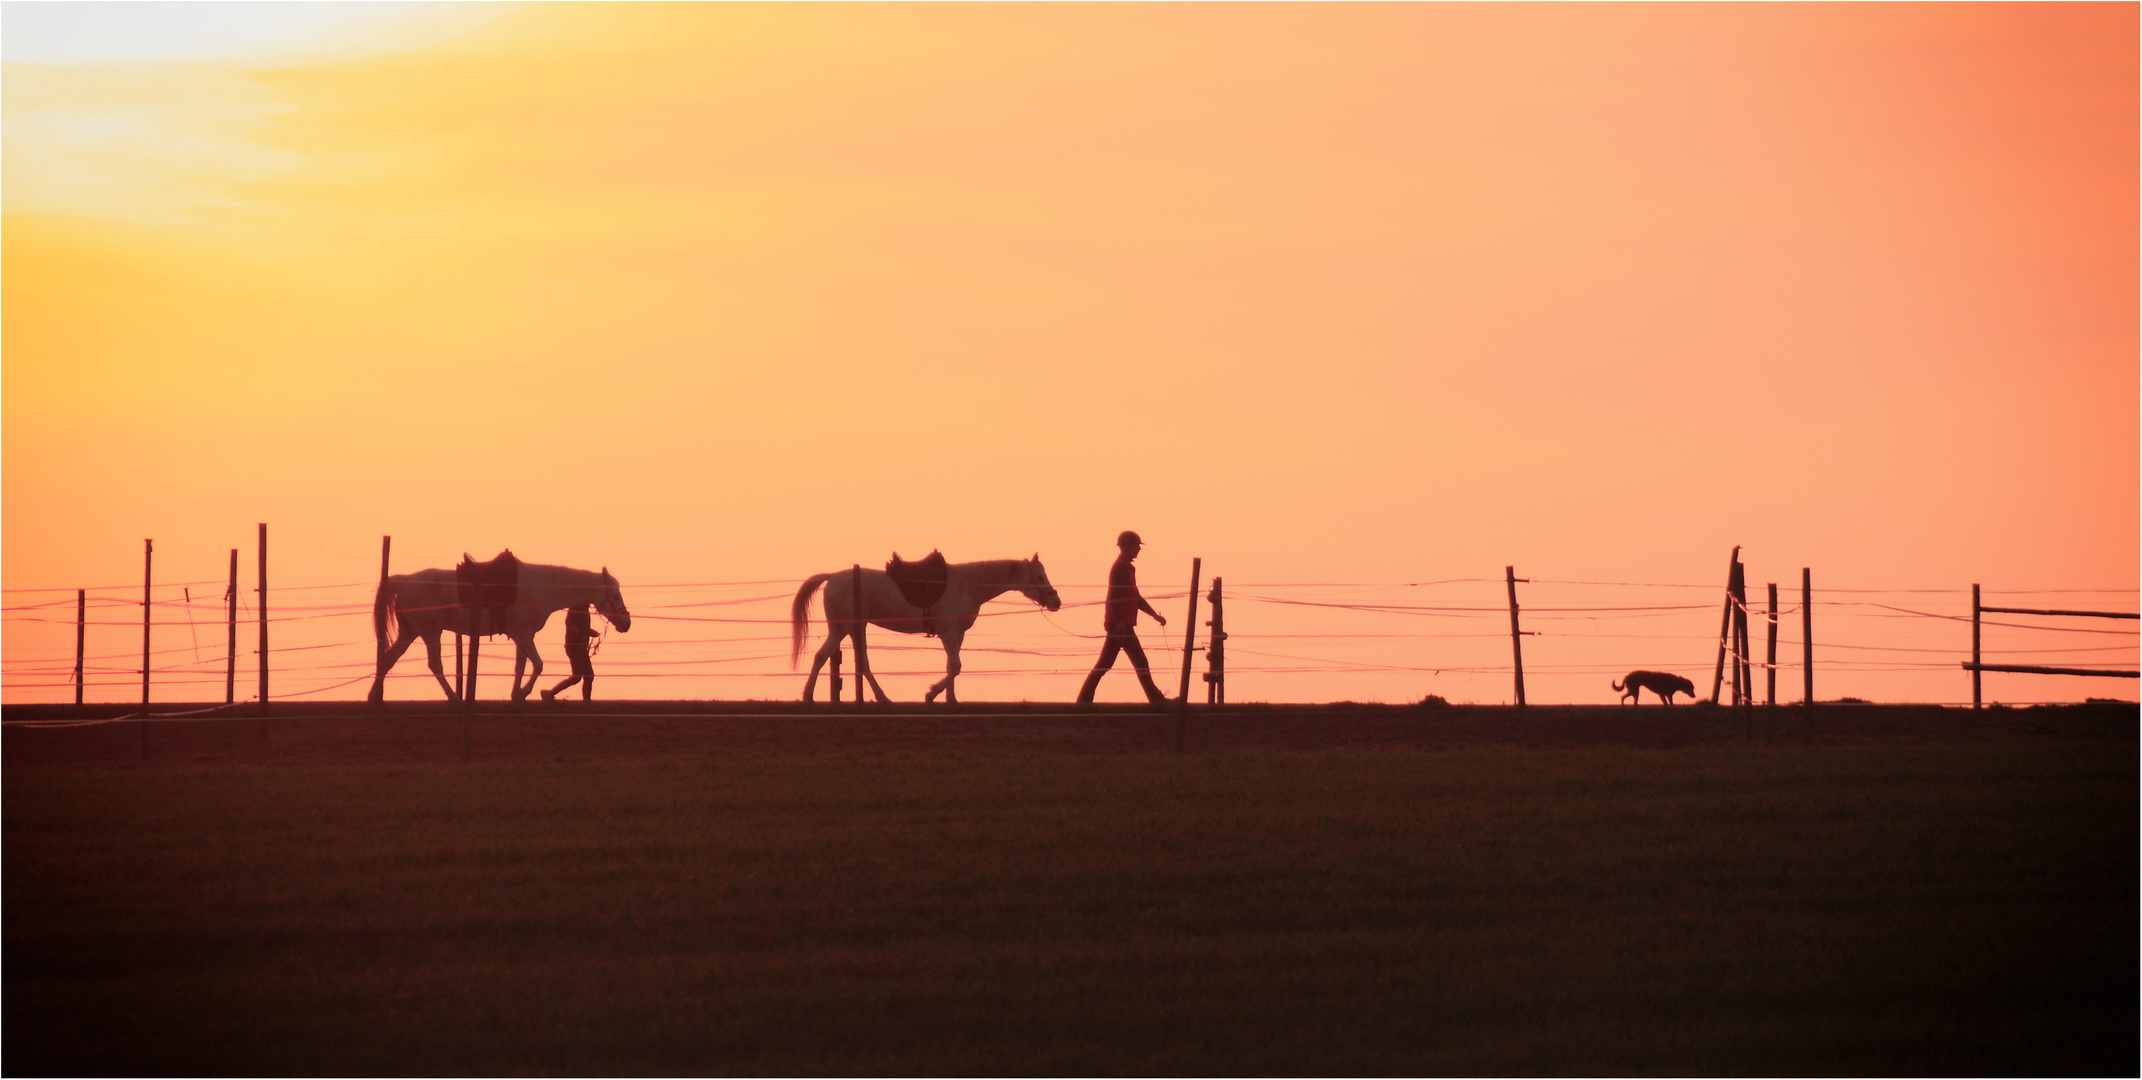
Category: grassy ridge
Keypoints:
(1888, 909)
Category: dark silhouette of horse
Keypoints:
(428, 602)
(967, 586)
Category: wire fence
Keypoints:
(1287, 641)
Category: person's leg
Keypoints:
(584, 670)
(1145, 673)
(1108, 660)
(562, 686)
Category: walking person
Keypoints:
(578, 632)
(1119, 619)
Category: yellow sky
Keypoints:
(1352, 294)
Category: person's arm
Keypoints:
(1145, 607)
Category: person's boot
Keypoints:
(550, 695)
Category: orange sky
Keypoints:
(1369, 295)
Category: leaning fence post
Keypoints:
(1737, 597)
(1725, 625)
(1182, 703)
(1517, 648)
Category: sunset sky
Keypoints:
(1342, 299)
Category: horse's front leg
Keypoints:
(951, 671)
(438, 670)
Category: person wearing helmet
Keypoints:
(1119, 619)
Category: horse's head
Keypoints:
(1037, 587)
(612, 604)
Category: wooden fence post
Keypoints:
(1182, 702)
(1975, 659)
(1770, 652)
(1725, 625)
(460, 680)
(861, 624)
(264, 629)
(379, 656)
(1216, 651)
(1517, 650)
(230, 648)
(468, 696)
(1807, 638)
(1738, 589)
(148, 557)
(81, 621)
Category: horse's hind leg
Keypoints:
(862, 666)
(438, 670)
(386, 664)
(818, 660)
(524, 652)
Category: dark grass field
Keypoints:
(656, 888)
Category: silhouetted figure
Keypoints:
(1119, 618)
(579, 630)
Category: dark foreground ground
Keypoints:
(675, 887)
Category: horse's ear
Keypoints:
(1036, 560)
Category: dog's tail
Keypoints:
(1617, 684)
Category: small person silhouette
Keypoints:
(1119, 618)
(578, 632)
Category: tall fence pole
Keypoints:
(81, 622)
(1216, 650)
(1975, 673)
(1517, 648)
(460, 679)
(1807, 637)
(379, 653)
(1743, 690)
(861, 624)
(1182, 701)
(1725, 625)
(148, 557)
(468, 696)
(230, 648)
(264, 627)
(1770, 652)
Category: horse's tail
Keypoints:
(799, 614)
(383, 614)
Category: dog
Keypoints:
(1658, 682)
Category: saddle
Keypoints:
(492, 585)
(921, 582)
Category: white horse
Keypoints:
(967, 587)
(425, 603)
